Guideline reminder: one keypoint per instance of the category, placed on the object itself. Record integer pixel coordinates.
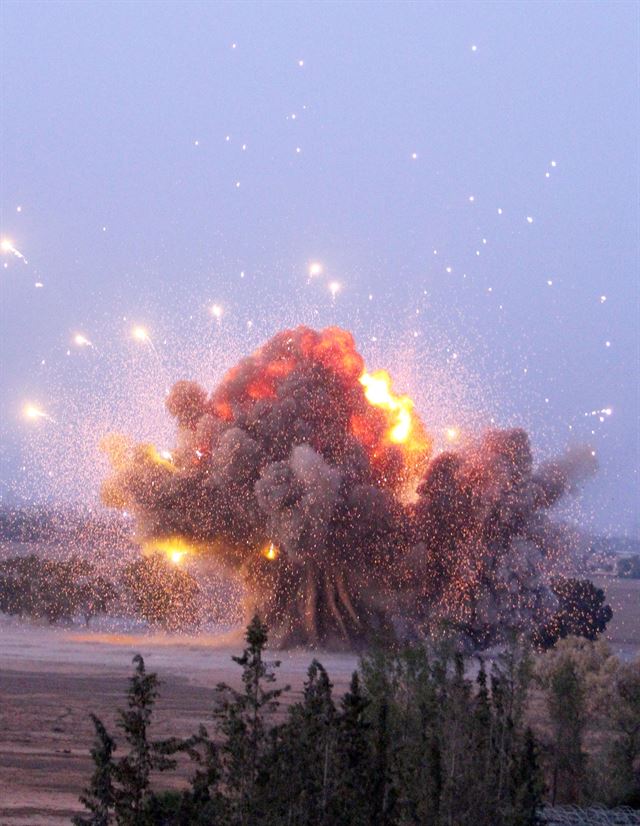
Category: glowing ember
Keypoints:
(271, 552)
(173, 548)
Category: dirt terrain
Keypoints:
(50, 679)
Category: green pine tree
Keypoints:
(204, 802)
(566, 703)
(132, 771)
(99, 797)
(352, 802)
(241, 717)
(307, 744)
(527, 785)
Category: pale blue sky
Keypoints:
(116, 115)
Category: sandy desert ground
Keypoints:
(50, 679)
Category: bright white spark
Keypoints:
(315, 268)
(334, 288)
(216, 311)
(140, 334)
(529, 219)
(81, 341)
(6, 245)
(32, 412)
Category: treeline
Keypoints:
(63, 526)
(149, 588)
(628, 567)
(162, 594)
(415, 740)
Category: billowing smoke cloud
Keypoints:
(315, 483)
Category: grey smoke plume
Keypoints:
(288, 475)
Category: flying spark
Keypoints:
(141, 334)
(32, 412)
(6, 245)
(271, 552)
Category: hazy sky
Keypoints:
(161, 157)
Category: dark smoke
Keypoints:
(288, 451)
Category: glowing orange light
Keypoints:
(271, 552)
(162, 458)
(377, 390)
(174, 548)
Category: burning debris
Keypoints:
(316, 484)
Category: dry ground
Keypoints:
(50, 680)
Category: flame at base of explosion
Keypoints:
(293, 474)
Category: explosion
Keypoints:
(310, 479)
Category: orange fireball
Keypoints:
(404, 426)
